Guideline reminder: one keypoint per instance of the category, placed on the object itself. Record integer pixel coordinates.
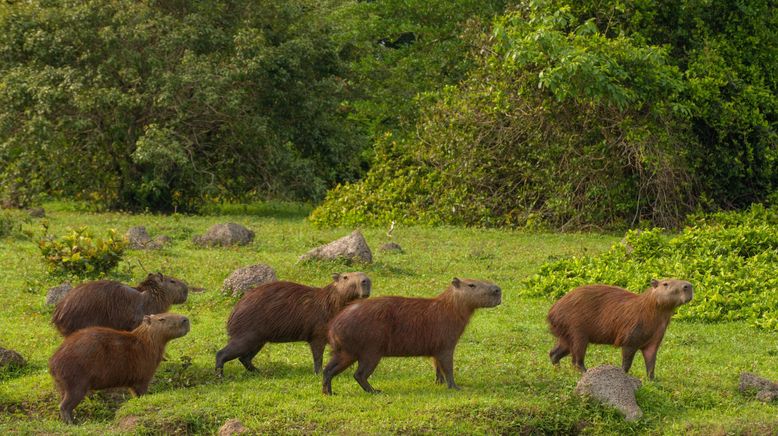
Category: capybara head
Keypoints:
(174, 289)
(352, 285)
(477, 293)
(672, 292)
(167, 325)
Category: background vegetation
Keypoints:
(508, 384)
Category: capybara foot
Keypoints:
(66, 416)
(219, 372)
(455, 387)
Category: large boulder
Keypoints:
(352, 248)
(57, 293)
(765, 389)
(611, 386)
(138, 239)
(243, 279)
(11, 358)
(232, 426)
(224, 235)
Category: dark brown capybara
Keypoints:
(112, 304)
(602, 314)
(288, 312)
(366, 331)
(100, 358)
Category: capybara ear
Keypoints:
(335, 277)
(456, 282)
(654, 283)
(147, 319)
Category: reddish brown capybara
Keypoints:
(602, 314)
(366, 331)
(112, 304)
(100, 358)
(288, 312)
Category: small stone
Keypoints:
(37, 212)
(244, 279)
(138, 239)
(57, 293)
(232, 426)
(11, 358)
(391, 247)
(225, 235)
(611, 386)
(352, 248)
(766, 390)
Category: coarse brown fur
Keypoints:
(602, 314)
(288, 312)
(112, 304)
(368, 330)
(100, 358)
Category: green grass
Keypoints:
(501, 363)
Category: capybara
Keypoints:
(288, 312)
(100, 358)
(366, 331)
(112, 304)
(602, 314)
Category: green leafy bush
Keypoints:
(11, 223)
(81, 254)
(730, 258)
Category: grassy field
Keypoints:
(501, 363)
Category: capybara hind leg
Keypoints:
(317, 351)
(649, 355)
(232, 351)
(578, 350)
(558, 352)
(70, 399)
(337, 364)
(367, 365)
(627, 355)
(439, 378)
(446, 362)
(249, 356)
(141, 388)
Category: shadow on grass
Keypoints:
(267, 209)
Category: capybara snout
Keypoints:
(481, 293)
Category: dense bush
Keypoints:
(11, 222)
(731, 260)
(588, 114)
(81, 254)
(166, 105)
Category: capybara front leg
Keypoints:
(339, 362)
(70, 399)
(627, 355)
(141, 388)
(317, 350)
(367, 365)
(558, 352)
(439, 378)
(649, 355)
(446, 362)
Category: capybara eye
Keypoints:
(345, 277)
(665, 284)
(472, 285)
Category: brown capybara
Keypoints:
(288, 312)
(602, 314)
(112, 304)
(100, 358)
(366, 331)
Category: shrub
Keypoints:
(730, 258)
(11, 223)
(81, 254)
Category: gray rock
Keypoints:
(138, 239)
(243, 279)
(11, 358)
(224, 235)
(352, 247)
(57, 293)
(37, 212)
(766, 390)
(611, 386)
(232, 426)
(391, 247)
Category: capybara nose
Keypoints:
(496, 290)
(185, 322)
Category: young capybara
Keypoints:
(288, 312)
(602, 314)
(112, 304)
(100, 358)
(366, 331)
